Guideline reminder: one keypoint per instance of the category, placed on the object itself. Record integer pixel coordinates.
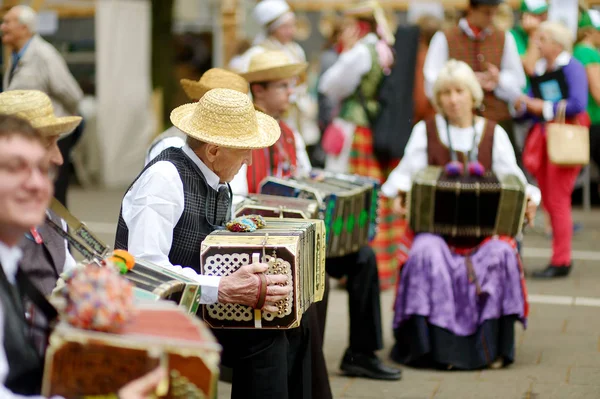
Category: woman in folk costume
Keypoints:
(278, 24)
(353, 82)
(453, 297)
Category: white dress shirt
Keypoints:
(9, 258)
(152, 208)
(504, 161)
(172, 137)
(512, 76)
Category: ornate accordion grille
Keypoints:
(226, 264)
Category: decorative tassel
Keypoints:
(454, 168)
(476, 169)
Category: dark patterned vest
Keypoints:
(478, 53)
(205, 210)
(438, 154)
(44, 262)
(25, 365)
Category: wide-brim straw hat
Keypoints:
(36, 107)
(226, 118)
(272, 65)
(214, 78)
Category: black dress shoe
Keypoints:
(367, 365)
(553, 271)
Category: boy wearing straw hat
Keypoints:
(180, 197)
(214, 78)
(45, 251)
(271, 75)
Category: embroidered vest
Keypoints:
(278, 160)
(352, 108)
(205, 210)
(438, 154)
(44, 263)
(478, 53)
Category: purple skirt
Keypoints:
(462, 302)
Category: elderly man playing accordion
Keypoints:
(455, 294)
(182, 196)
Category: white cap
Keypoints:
(268, 11)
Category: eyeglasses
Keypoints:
(24, 170)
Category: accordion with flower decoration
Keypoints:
(89, 363)
(347, 204)
(465, 206)
(292, 247)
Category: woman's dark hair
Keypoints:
(13, 126)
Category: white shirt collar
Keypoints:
(10, 258)
(370, 38)
(563, 59)
(464, 25)
(211, 177)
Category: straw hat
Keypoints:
(214, 78)
(272, 65)
(36, 107)
(371, 9)
(226, 118)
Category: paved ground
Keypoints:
(558, 356)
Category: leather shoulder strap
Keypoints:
(486, 144)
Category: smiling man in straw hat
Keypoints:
(214, 78)
(180, 197)
(45, 251)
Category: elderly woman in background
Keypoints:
(557, 76)
(453, 297)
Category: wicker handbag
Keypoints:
(567, 144)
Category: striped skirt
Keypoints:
(387, 242)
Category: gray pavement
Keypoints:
(558, 355)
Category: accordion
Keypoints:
(347, 205)
(155, 282)
(293, 247)
(278, 207)
(82, 362)
(465, 206)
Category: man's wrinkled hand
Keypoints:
(242, 287)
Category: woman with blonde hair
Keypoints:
(557, 77)
(452, 296)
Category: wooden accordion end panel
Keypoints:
(156, 282)
(347, 205)
(278, 207)
(82, 362)
(466, 206)
(292, 247)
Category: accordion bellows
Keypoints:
(347, 205)
(466, 206)
(155, 282)
(275, 206)
(293, 247)
(81, 362)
